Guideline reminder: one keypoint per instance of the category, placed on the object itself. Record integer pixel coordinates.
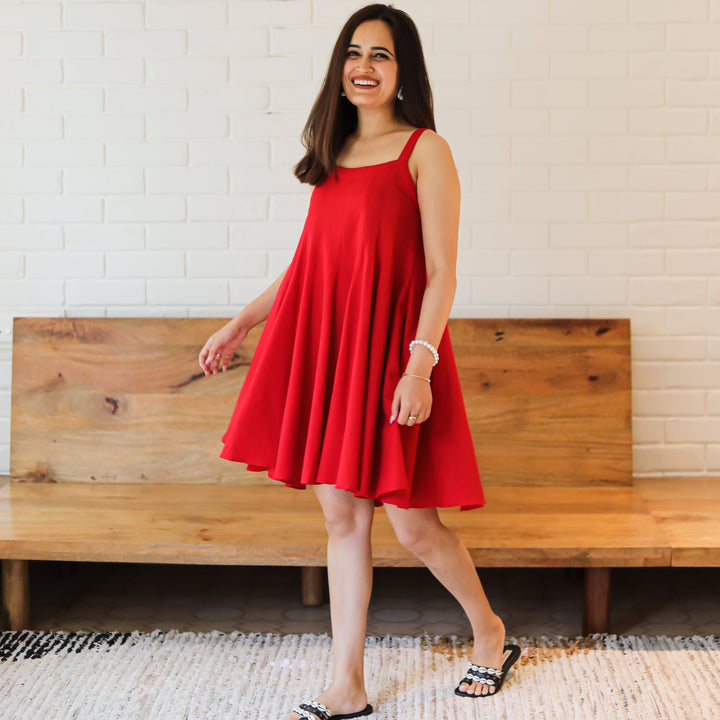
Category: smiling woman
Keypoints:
(338, 395)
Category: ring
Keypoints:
(218, 355)
(412, 417)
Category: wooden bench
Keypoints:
(116, 434)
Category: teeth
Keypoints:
(367, 83)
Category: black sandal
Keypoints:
(317, 711)
(487, 675)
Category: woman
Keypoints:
(339, 393)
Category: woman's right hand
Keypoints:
(218, 350)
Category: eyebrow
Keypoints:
(376, 47)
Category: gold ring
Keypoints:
(412, 417)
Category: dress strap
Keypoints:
(410, 144)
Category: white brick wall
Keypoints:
(146, 153)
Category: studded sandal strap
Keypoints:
(312, 711)
(484, 675)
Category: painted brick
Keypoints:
(227, 42)
(465, 38)
(668, 459)
(692, 430)
(713, 291)
(647, 320)
(29, 126)
(588, 178)
(105, 292)
(507, 121)
(551, 38)
(648, 375)
(693, 150)
(549, 207)
(667, 291)
(693, 94)
(507, 178)
(713, 403)
(264, 180)
(516, 12)
(135, 208)
(266, 126)
(286, 151)
(62, 44)
(626, 262)
(11, 99)
(692, 375)
(227, 208)
(626, 207)
(10, 44)
(546, 93)
(509, 290)
(489, 66)
(485, 207)
(63, 153)
(103, 15)
(230, 152)
(447, 67)
(668, 11)
(145, 264)
(187, 181)
(648, 430)
(227, 264)
(189, 13)
(481, 151)
(297, 97)
(289, 207)
(588, 65)
(588, 291)
(173, 125)
(188, 71)
(187, 292)
(625, 38)
(473, 262)
(271, 13)
(627, 151)
(187, 236)
(63, 209)
(578, 235)
(230, 98)
(64, 265)
(11, 153)
(154, 154)
(668, 235)
(104, 126)
(693, 262)
(104, 237)
(713, 458)
(12, 265)
(104, 71)
(30, 16)
(278, 260)
(30, 181)
(11, 210)
(145, 43)
(548, 262)
(246, 290)
(580, 11)
(29, 237)
(103, 181)
(627, 93)
(56, 99)
(692, 206)
(693, 36)
(551, 150)
(273, 69)
(693, 320)
(664, 178)
(31, 293)
(146, 99)
(678, 348)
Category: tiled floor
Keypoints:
(105, 597)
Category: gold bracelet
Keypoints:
(420, 377)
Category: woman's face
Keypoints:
(371, 72)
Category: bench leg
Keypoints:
(312, 585)
(16, 595)
(596, 609)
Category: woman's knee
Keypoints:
(345, 516)
(418, 535)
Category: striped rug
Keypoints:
(218, 676)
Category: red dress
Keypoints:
(315, 404)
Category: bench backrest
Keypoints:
(123, 400)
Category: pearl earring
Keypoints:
(400, 95)
(342, 93)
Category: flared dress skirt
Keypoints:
(315, 405)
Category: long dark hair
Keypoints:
(334, 117)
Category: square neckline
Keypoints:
(385, 162)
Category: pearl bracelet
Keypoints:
(430, 347)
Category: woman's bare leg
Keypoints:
(349, 558)
(422, 532)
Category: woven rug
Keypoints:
(218, 676)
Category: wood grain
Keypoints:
(123, 400)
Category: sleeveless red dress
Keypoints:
(315, 404)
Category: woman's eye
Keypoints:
(382, 56)
(350, 53)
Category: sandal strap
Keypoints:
(483, 675)
(312, 711)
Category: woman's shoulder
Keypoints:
(432, 149)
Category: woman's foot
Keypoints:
(339, 700)
(487, 652)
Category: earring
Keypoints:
(400, 95)
(342, 93)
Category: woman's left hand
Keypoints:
(412, 397)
